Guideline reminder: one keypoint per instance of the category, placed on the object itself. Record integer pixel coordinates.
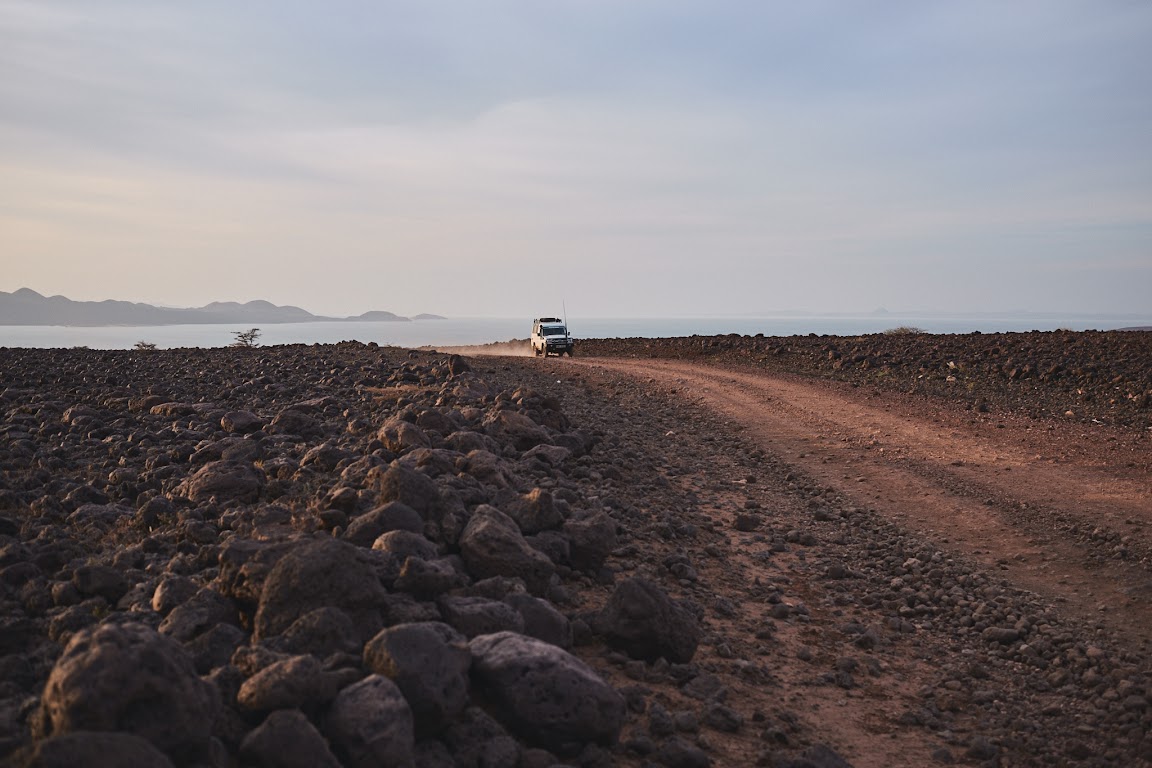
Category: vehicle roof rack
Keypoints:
(549, 320)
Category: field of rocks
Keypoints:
(311, 556)
(1101, 375)
(355, 556)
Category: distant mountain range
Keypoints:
(26, 307)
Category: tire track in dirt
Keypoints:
(989, 495)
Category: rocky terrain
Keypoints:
(348, 555)
(1101, 375)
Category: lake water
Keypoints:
(482, 330)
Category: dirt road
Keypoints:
(1063, 512)
(907, 580)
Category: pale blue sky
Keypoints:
(631, 157)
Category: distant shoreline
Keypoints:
(459, 332)
(249, 321)
(26, 307)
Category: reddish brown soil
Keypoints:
(1052, 517)
(998, 487)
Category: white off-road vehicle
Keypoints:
(550, 337)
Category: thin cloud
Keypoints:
(707, 156)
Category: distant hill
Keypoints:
(26, 307)
(378, 316)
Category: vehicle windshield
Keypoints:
(552, 330)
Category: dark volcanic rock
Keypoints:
(592, 537)
(215, 647)
(321, 632)
(393, 516)
(242, 422)
(293, 421)
(224, 480)
(429, 662)
(126, 677)
(200, 613)
(679, 753)
(105, 581)
(319, 573)
(93, 749)
(295, 682)
(172, 591)
(474, 616)
(492, 545)
(324, 458)
(641, 620)
(544, 694)
(370, 724)
(475, 740)
(400, 436)
(245, 565)
(405, 544)
(516, 428)
(286, 739)
(407, 486)
(427, 578)
(535, 512)
(541, 620)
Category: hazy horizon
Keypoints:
(625, 159)
(878, 313)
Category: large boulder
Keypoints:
(370, 725)
(429, 662)
(641, 620)
(129, 678)
(225, 480)
(492, 545)
(319, 573)
(544, 694)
